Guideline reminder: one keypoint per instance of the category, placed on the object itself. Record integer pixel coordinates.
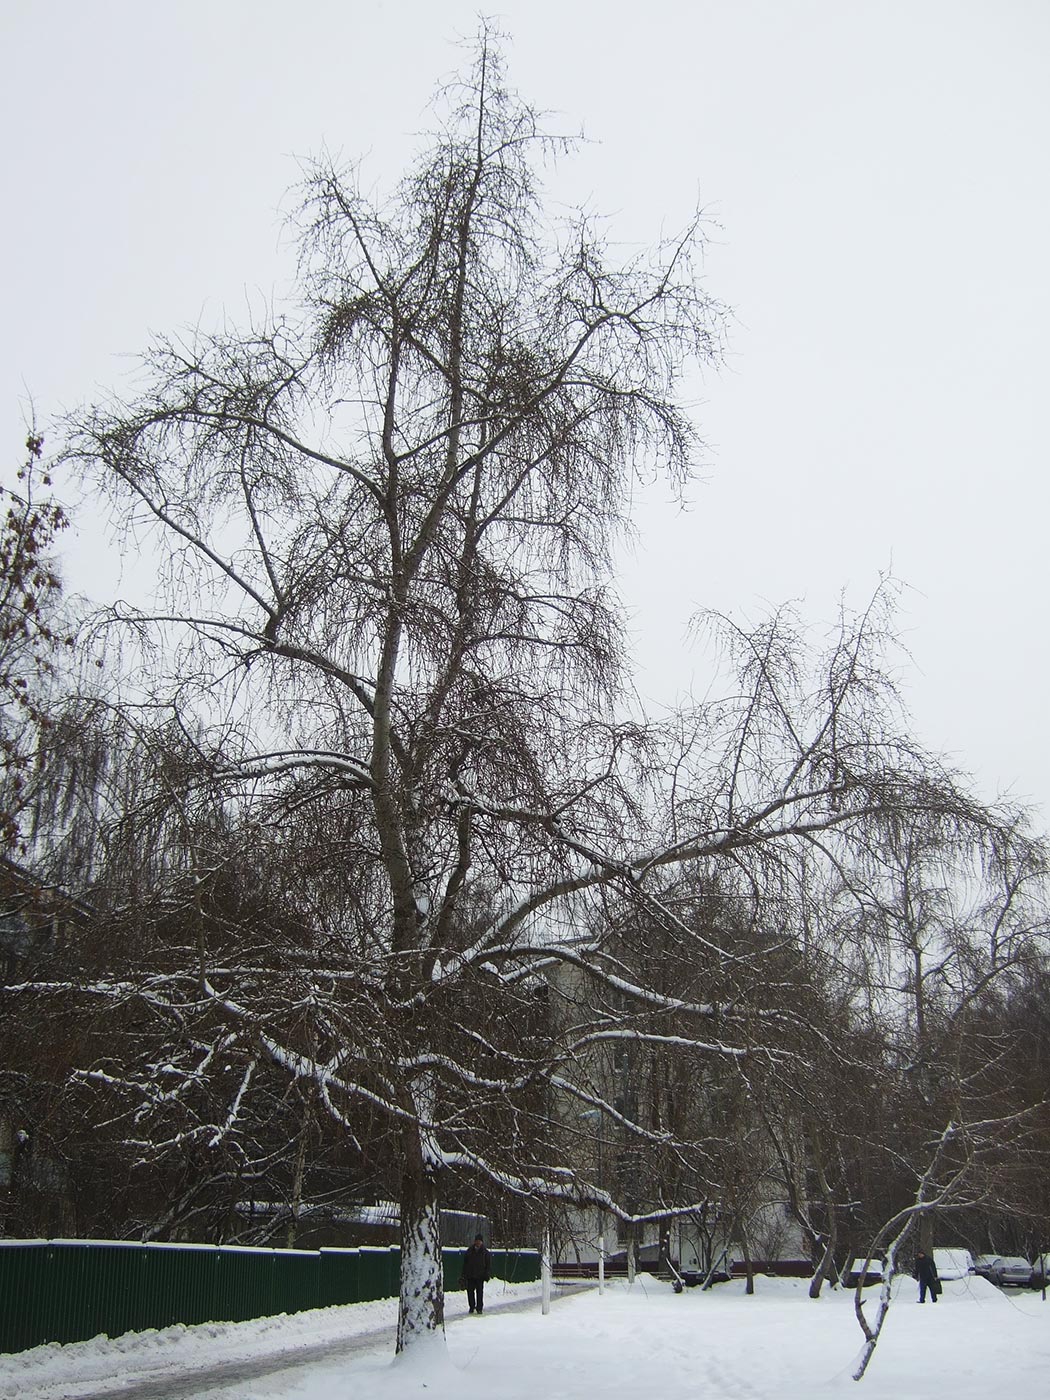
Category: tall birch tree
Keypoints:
(390, 666)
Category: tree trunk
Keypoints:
(422, 1302)
(745, 1246)
(926, 1234)
(297, 1182)
(827, 1259)
(824, 1268)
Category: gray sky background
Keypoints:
(879, 171)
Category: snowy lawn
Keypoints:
(627, 1345)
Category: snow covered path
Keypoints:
(180, 1362)
(648, 1344)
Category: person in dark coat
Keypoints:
(477, 1270)
(926, 1273)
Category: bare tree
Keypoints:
(385, 675)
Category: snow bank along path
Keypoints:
(640, 1344)
(215, 1352)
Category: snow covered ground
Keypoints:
(626, 1345)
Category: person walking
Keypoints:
(477, 1270)
(926, 1273)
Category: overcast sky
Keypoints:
(878, 172)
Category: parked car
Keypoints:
(1041, 1272)
(855, 1273)
(984, 1265)
(1011, 1271)
(693, 1277)
(952, 1263)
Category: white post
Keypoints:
(545, 1274)
(601, 1262)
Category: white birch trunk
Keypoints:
(421, 1313)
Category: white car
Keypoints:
(952, 1263)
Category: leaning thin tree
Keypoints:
(392, 666)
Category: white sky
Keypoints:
(879, 170)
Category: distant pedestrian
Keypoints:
(926, 1273)
(477, 1270)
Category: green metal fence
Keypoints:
(70, 1290)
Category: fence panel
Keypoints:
(296, 1280)
(25, 1303)
(340, 1277)
(518, 1265)
(72, 1290)
(452, 1268)
(375, 1273)
(178, 1285)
